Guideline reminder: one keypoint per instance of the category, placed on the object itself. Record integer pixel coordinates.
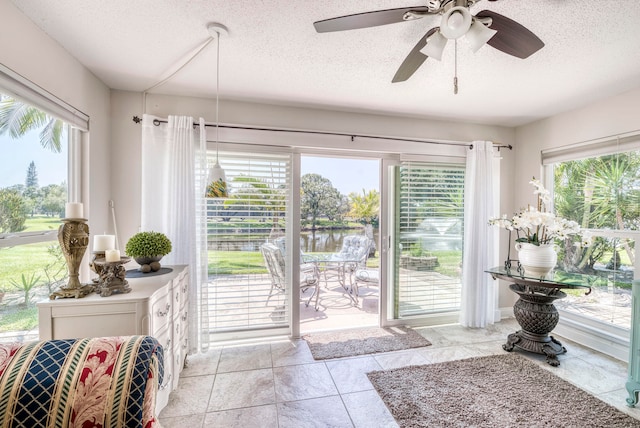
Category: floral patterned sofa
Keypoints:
(93, 382)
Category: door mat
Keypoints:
(349, 343)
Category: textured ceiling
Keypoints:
(273, 54)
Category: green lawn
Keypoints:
(42, 223)
(19, 318)
(27, 259)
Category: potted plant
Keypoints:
(147, 248)
(537, 230)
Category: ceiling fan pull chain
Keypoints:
(455, 67)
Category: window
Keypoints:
(39, 169)
(602, 193)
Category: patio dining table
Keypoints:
(343, 266)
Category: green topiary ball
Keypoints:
(148, 244)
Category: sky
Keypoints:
(346, 175)
(18, 154)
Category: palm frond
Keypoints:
(18, 118)
(50, 135)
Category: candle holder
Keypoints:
(94, 267)
(73, 235)
(112, 276)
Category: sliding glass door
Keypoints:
(425, 263)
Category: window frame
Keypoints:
(77, 123)
(607, 338)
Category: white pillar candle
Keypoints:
(73, 210)
(104, 242)
(112, 255)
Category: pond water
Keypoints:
(320, 241)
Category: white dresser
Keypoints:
(156, 306)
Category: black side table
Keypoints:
(535, 311)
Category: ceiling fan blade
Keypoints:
(414, 60)
(511, 38)
(366, 19)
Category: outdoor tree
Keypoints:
(18, 118)
(339, 208)
(12, 211)
(319, 198)
(599, 193)
(32, 192)
(365, 208)
(54, 197)
(256, 194)
(32, 176)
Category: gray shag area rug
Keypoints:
(361, 341)
(496, 391)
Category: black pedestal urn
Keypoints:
(537, 316)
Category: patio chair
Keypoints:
(275, 263)
(308, 268)
(367, 276)
(353, 255)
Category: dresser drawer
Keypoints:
(161, 312)
(169, 381)
(180, 289)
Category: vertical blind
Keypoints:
(240, 292)
(431, 214)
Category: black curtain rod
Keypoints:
(157, 122)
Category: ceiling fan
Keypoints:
(486, 27)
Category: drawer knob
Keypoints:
(165, 312)
(167, 383)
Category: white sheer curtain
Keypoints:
(172, 202)
(478, 305)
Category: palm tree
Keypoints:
(260, 195)
(600, 193)
(18, 118)
(365, 207)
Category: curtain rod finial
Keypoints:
(136, 119)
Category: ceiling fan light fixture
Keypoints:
(435, 46)
(455, 22)
(478, 35)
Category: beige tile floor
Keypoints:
(278, 384)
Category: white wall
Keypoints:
(607, 117)
(28, 51)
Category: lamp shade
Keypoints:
(455, 22)
(435, 45)
(217, 183)
(478, 35)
